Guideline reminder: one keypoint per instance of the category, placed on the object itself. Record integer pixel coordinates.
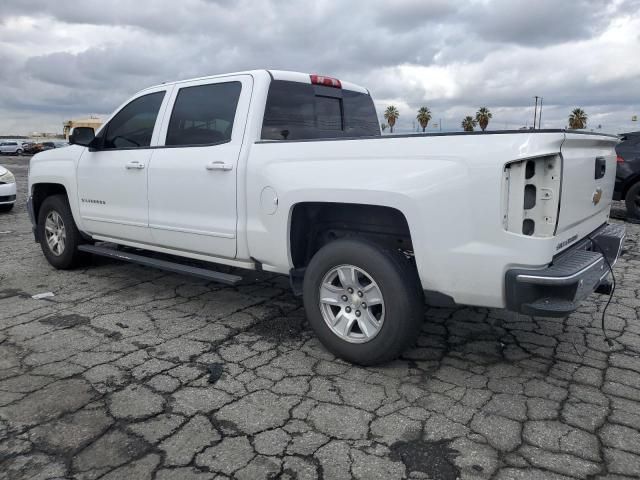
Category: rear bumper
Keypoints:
(557, 290)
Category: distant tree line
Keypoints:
(577, 119)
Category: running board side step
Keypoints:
(174, 267)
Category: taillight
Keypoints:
(531, 196)
(326, 81)
(619, 159)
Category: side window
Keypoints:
(203, 115)
(133, 125)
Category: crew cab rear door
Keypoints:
(193, 173)
(588, 178)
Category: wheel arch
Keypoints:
(40, 191)
(314, 224)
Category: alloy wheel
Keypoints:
(55, 233)
(352, 304)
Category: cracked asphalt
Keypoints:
(130, 372)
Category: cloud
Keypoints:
(89, 56)
(543, 22)
(406, 15)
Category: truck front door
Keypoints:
(112, 177)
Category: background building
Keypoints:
(92, 121)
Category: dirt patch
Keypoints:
(215, 372)
(66, 321)
(436, 459)
(13, 292)
(281, 328)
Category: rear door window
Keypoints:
(204, 114)
(296, 111)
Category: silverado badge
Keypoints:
(597, 195)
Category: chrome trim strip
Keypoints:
(119, 222)
(192, 231)
(622, 239)
(543, 280)
(567, 279)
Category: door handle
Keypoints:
(219, 166)
(134, 166)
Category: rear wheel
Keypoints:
(363, 302)
(632, 201)
(19, 152)
(58, 234)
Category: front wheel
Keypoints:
(364, 302)
(19, 152)
(6, 207)
(632, 200)
(58, 234)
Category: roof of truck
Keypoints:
(275, 75)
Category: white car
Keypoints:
(287, 172)
(7, 190)
(11, 148)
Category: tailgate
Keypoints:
(588, 177)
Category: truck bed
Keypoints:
(449, 186)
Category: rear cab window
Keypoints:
(299, 111)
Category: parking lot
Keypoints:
(130, 372)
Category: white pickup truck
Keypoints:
(288, 172)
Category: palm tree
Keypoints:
(384, 126)
(578, 119)
(468, 123)
(424, 117)
(391, 114)
(483, 115)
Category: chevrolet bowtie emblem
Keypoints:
(597, 195)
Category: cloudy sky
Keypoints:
(65, 59)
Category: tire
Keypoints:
(6, 207)
(63, 256)
(632, 200)
(398, 317)
(19, 152)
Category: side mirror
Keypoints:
(82, 136)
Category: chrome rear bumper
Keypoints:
(557, 290)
